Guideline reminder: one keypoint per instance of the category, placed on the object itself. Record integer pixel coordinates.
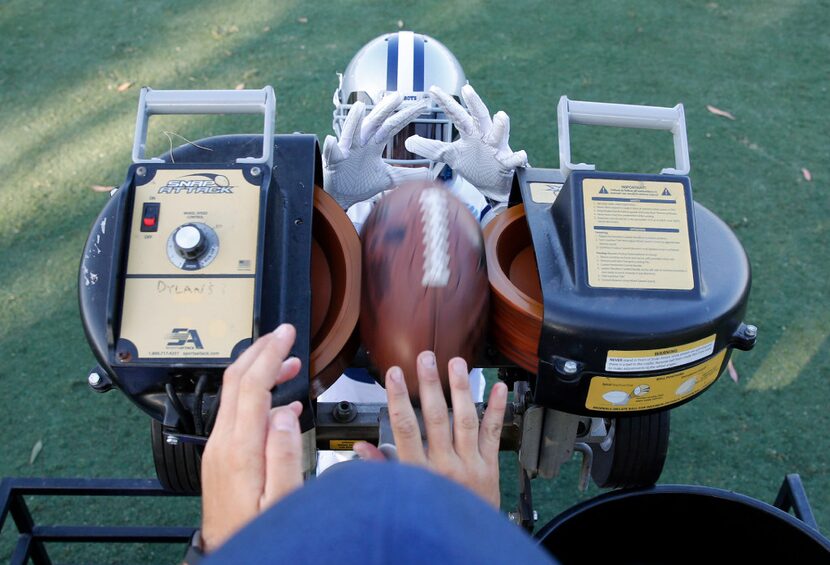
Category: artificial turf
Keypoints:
(65, 125)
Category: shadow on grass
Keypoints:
(76, 139)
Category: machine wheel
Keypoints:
(178, 467)
(635, 454)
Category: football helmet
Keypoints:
(408, 63)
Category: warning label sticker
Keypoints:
(629, 394)
(545, 192)
(637, 234)
(658, 359)
(342, 444)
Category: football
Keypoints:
(424, 281)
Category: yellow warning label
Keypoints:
(637, 234)
(342, 444)
(545, 192)
(615, 394)
(659, 359)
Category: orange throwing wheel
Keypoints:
(516, 294)
(335, 292)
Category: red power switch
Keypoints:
(150, 216)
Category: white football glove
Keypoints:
(353, 167)
(482, 155)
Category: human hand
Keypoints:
(465, 452)
(482, 154)
(253, 457)
(353, 167)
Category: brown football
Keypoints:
(424, 281)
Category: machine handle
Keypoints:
(152, 102)
(623, 116)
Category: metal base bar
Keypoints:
(22, 551)
(792, 495)
(31, 543)
(113, 534)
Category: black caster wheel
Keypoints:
(178, 467)
(634, 452)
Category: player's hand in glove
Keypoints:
(353, 167)
(482, 154)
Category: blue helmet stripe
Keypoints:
(418, 66)
(392, 63)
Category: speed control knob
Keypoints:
(190, 242)
(192, 246)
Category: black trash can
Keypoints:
(680, 524)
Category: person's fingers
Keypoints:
(434, 408)
(350, 134)
(230, 383)
(296, 407)
(500, 134)
(464, 415)
(517, 159)
(478, 110)
(398, 120)
(331, 151)
(492, 422)
(265, 370)
(250, 355)
(254, 399)
(283, 455)
(428, 148)
(462, 119)
(382, 110)
(368, 452)
(389, 451)
(405, 427)
(289, 369)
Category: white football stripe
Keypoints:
(406, 60)
(435, 223)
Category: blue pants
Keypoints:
(379, 513)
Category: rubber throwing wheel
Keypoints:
(637, 452)
(178, 467)
(516, 310)
(335, 292)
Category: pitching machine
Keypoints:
(611, 300)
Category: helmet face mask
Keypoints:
(430, 125)
(409, 64)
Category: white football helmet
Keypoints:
(409, 63)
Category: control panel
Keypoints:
(191, 267)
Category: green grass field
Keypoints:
(65, 125)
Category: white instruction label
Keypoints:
(637, 234)
(659, 359)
